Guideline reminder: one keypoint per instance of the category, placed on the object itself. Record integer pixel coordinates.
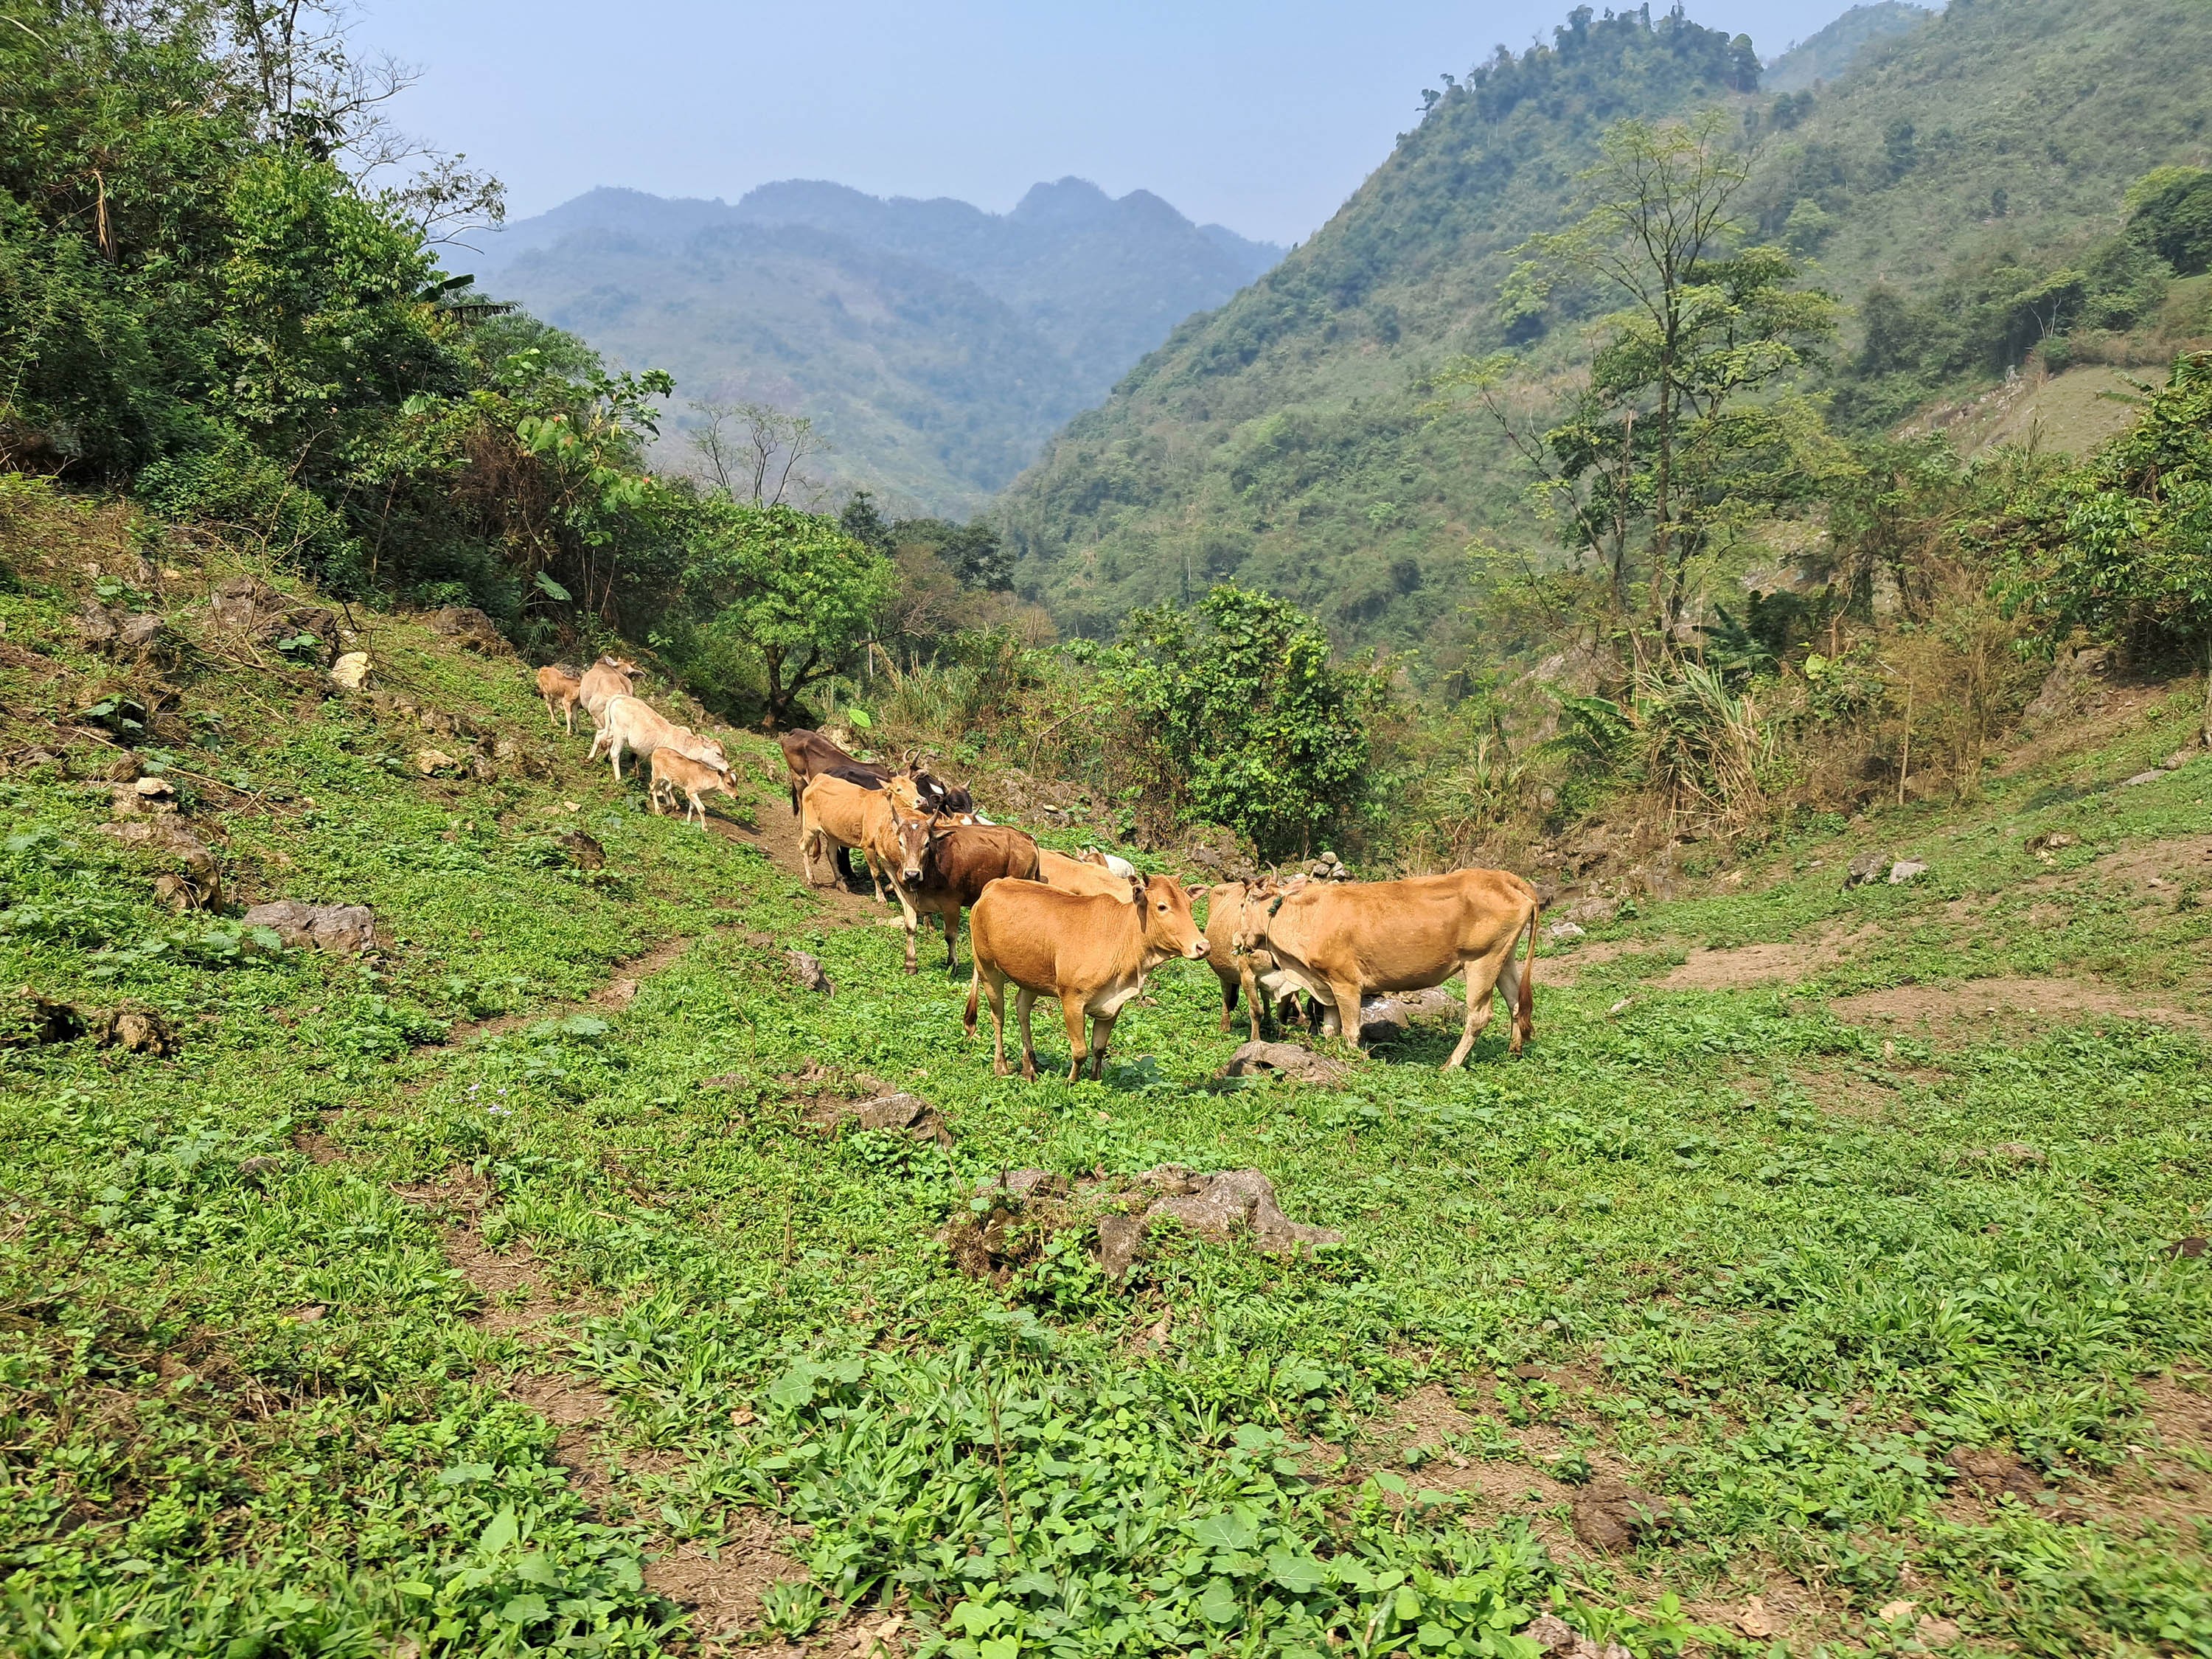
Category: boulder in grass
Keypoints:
(1286, 1059)
(1612, 1515)
(338, 928)
(136, 1031)
(475, 631)
(806, 968)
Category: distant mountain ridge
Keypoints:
(938, 344)
(1827, 52)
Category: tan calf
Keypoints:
(630, 724)
(674, 772)
(1338, 941)
(562, 687)
(1089, 950)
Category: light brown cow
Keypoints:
(562, 687)
(1236, 916)
(631, 724)
(610, 677)
(674, 772)
(940, 869)
(1338, 941)
(836, 812)
(1079, 875)
(1090, 952)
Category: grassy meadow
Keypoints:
(493, 1294)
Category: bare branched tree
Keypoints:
(316, 92)
(753, 453)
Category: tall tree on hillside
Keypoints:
(1669, 439)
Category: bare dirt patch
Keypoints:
(725, 1585)
(2179, 859)
(1787, 962)
(1565, 968)
(1979, 1009)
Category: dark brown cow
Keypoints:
(939, 870)
(808, 755)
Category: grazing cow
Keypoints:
(807, 755)
(1089, 950)
(1121, 867)
(1236, 919)
(674, 772)
(609, 677)
(837, 813)
(629, 723)
(1338, 941)
(563, 687)
(941, 870)
(1079, 876)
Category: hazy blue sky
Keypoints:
(1261, 114)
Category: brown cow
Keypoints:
(1236, 917)
(1338, 941)
(610, 677)
(1089, 950)
(1077, 875)
(836, 813)
(941, 870)
(563, 687)
(808, 755)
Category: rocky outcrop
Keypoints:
(338, 928)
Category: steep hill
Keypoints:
(937, 345)
(1282, 439)
(1826, 53)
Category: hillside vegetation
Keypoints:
(936, 346)
(1821, 1277)
(1957, 189)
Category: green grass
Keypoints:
(1764, 1257)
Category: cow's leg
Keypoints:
(1025, 999)
(999, 1023)
(1101, 1033)
(551, 719)
(951, 921)
(1481, 981)
(1228, 999)
(599, 737)
(570, 712)
(910, 920)
(1255, 999)
(1071, 1008)
(1509, 987)
(1343, 995)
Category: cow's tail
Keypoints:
(974, 994)
(1524, 1011)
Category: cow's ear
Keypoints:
(1197, 891)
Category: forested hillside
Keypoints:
(937, 346)
(1827, 52)
(1291, 441)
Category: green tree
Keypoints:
(789, 585)
(1676, 436)
(1243, 718)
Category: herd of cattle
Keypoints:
(1087, 930)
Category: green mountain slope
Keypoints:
(1283, 440)
(1827, 53)
(938, 346)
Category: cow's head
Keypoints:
(707, 751)
(618, 665)
(912, 824)
(1170, 929)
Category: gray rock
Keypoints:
(1120, 1237)
(333, 927)
(200, 885)
(1866, 868)
(1022, 1184)
(1433, 1002)
(1613, 1516)
(586, 852)
(1381, 1017)
(1565, 930)
(2151, 776)
(806, 968)
(1221, 1208)
(1905, 870)
(138, 633)
(1287, 1058)
(475, 631)
(2178, 759)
